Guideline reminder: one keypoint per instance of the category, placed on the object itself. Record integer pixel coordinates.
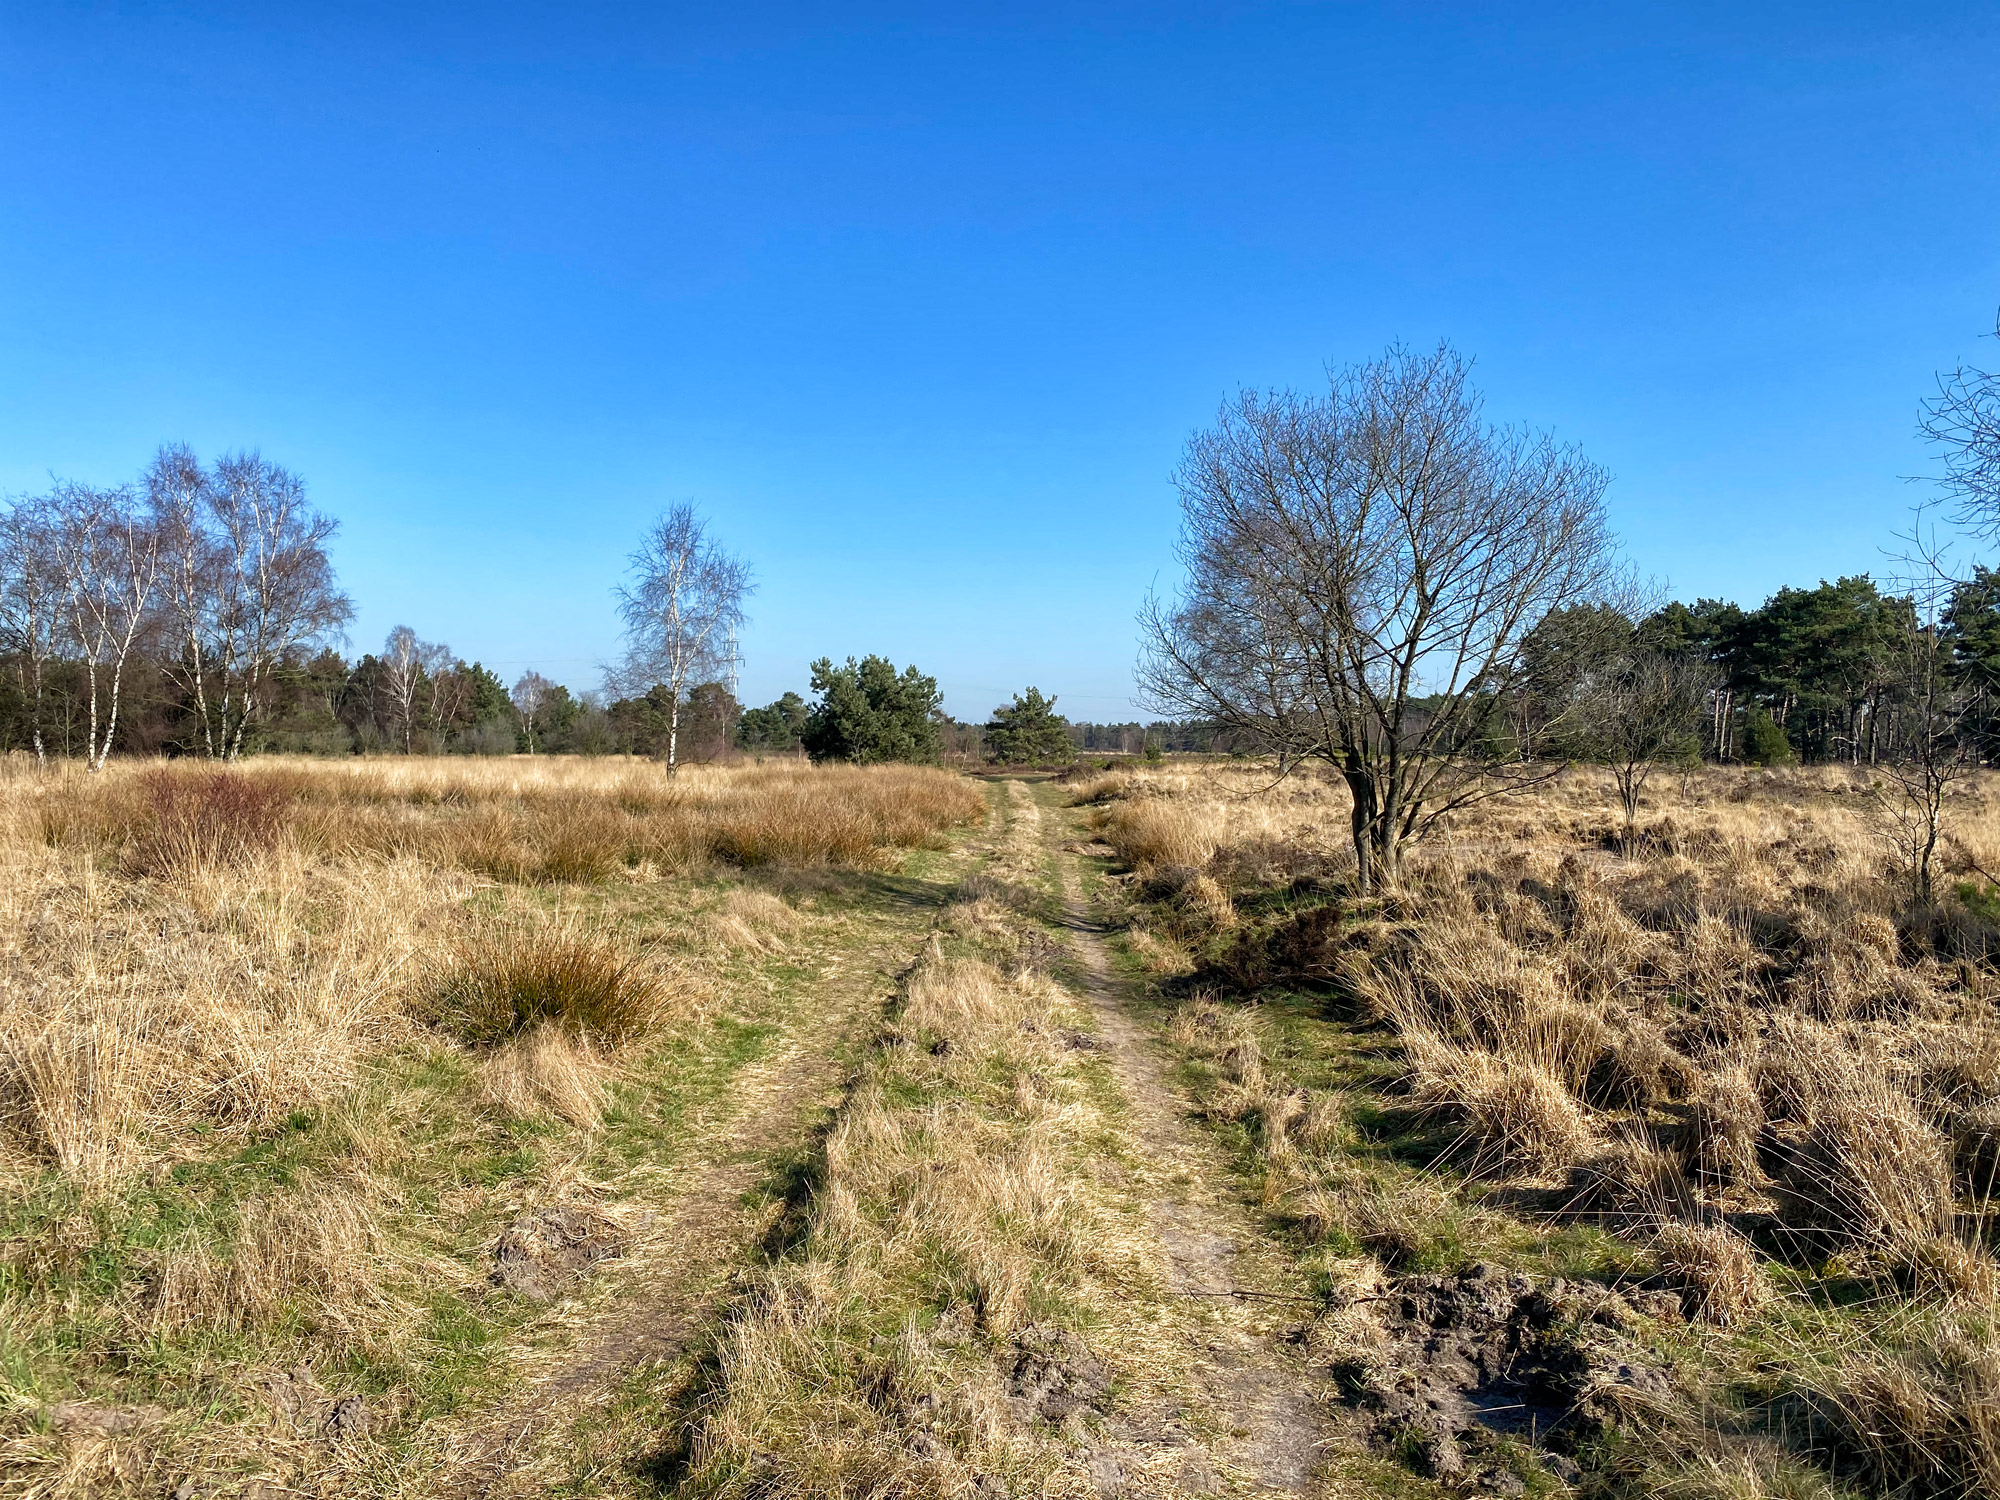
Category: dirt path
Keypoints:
(671, 1283)
(1264, 1402)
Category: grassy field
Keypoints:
(547, 1127)
(287, 1054)
(1734, 1064)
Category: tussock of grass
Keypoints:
(554, 977)
(204, 821)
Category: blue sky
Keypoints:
(919, 304)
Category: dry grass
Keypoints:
(547, 976)
(548, 1069)
(947, 1218)
(186, 948)
(1736, 1046)
(261, 1030)
(548, 819)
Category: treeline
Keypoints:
(195, 611)
(1820, 675)
(1157, 737)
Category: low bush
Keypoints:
(205, 820)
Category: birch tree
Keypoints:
(247, 582)
(402, 675)
(682, 608)
(108, 558)
(529, 697)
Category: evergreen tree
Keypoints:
(775, 727)
(869, 712)
(1029, 731)
(1764, 743)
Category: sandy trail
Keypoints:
(1267, 1403)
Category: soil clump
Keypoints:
(1446, 1368)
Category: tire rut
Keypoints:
(1270, 1404)
(673, 1283)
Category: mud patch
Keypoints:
(542, 1252)
(1445, 1369)
(1051, 1373)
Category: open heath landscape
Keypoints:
(999, 752)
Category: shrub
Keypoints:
(517, 980)
(1764, 743)
(206, 820)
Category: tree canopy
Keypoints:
(1029, 732)
(867, 711)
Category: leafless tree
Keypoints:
(1963, 421)
(108, 557)
(248, 581)
(444, 688)
(31, 599)
(191, 572)
(1634, 709)
(402, 677)
(530, 696)
(682, 609)
(1929, 754)
(1361, 567)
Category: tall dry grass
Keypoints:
(1736, 1045)
(263, 1028)
(549, 819)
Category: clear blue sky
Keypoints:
(919, 304)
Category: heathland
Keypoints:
(528, 1127)
(1724, 1067)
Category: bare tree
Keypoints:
(1963, 420)
(445, 688)
(248, 581)
(108, 556)
(530, 696)
(31, 599)
(402, 676)
(193, 573)
(682, 609)
(1634, 709)
(1361, 568)
(1930, 751)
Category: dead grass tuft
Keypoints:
(1514, 1111)
(548, 1069)
(754, 922)
(203, 821)
(523, 978)
(1714, 1268)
